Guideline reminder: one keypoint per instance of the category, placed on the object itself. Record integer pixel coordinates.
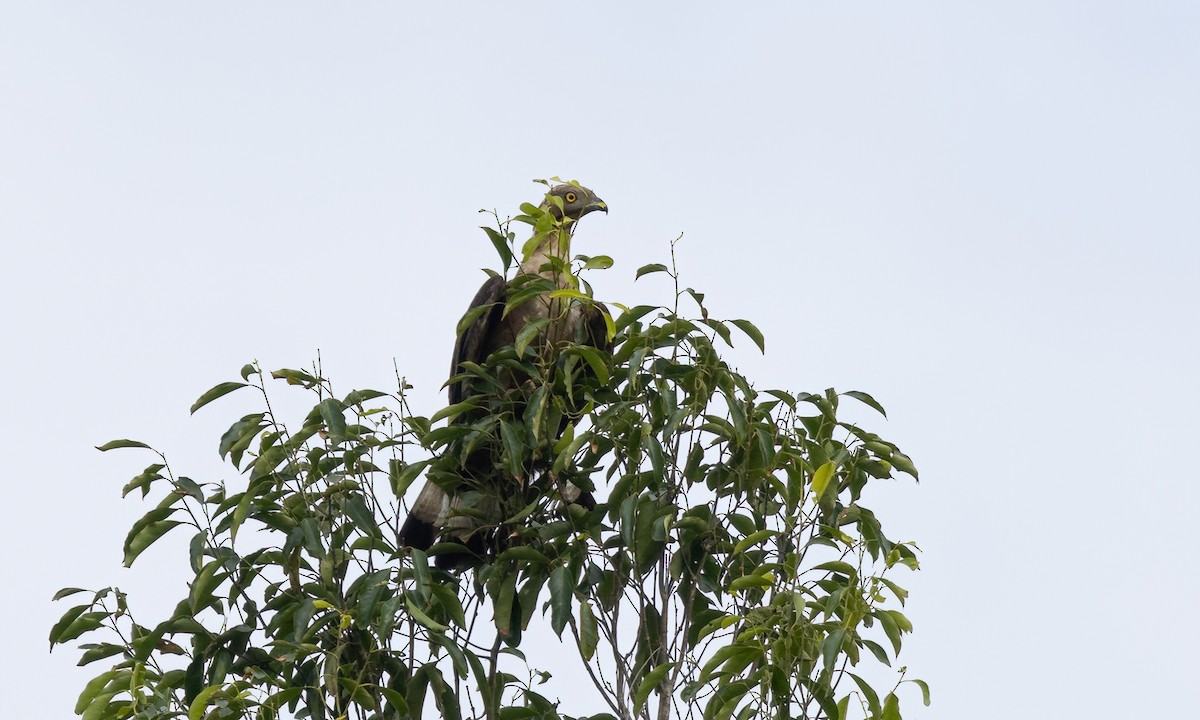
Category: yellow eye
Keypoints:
(570, 197)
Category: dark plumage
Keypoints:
(432, 513)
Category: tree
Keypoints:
(729, 570)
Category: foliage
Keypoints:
(730, 569)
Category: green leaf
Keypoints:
(753, 332)
(610, 326)
(206, 582)
(421, 575)
(753, 539)
(837, 566)
(823, 695)
(867, 400)
(402, 475)
(868, 693)
(735, 694)
(589, 632)
(85, 623)
(147, 530)
(423, 619)
(193, 681)
(356, 692)
(721, 328)
(364, 519)
(743, 523)
(396, 700)
(296, 377)
(924, 690)
(569, 293)
(114, 444)
(564, 438)
(514, 448)
(68, 617)
(522, 553)
(503, 604)
(335, 422)
(878, 651)
(784, 396)
(240, 512)
(453, 411)
(651, 268)
(821, 478)
(238, 437)
(891, 707)
(902, 622)
(528, 333)
(720, 622)
(594, 360)
(66, 592)
(445, 597)
(190, 487)
(200, 704)
(904, 464)
(567, 454)
(99, 652)
(737, 654)
(469, 317)
(94, 687)
(562, 592)
(651, 681)
(746, 582)
(889, 628)
(276, 701)
(900, 593)
(358, 397)
(417, 687)
(457, 656)
(843, 707)
(501, 244)
(531, 245)
(218, 391)
(599, 262)
(831, 647)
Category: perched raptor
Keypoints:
(492, 329)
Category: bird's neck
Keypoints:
(555, 245)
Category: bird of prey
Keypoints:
(563, 320)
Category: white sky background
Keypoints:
(984, 216)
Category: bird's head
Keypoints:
(577, 201)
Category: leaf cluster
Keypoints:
(728, 569)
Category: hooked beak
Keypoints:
(598, 204)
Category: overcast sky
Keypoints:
(984, 214)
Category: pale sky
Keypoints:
(984, 214)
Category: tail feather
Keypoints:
(425, 519)
(432, 518)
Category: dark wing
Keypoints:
(471, 345)
(597, 328)
(474, 344)
(421, 527)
